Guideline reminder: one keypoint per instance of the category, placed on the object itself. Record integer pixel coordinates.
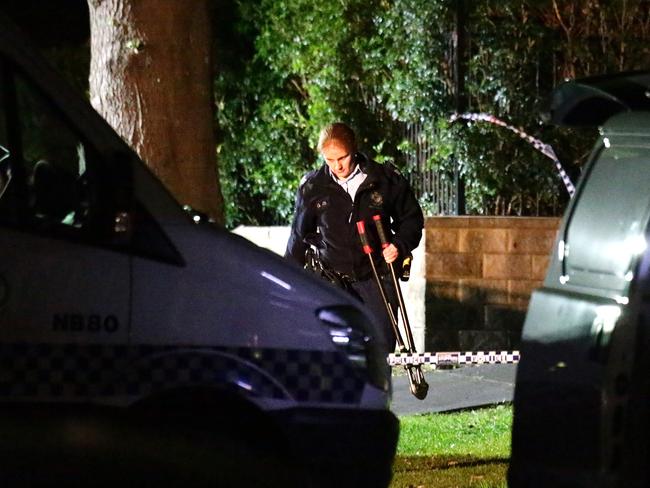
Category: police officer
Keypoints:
(347, 188)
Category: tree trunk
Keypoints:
(151, 79)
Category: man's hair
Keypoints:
(337, 131)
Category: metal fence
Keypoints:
(436, 191)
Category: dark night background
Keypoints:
(50, 23)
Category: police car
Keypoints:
(132, 336)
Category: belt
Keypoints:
(345, 277)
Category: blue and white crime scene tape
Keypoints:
(454, 358)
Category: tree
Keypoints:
(151, 78)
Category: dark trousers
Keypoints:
(369, 293)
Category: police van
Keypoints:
(133, 334)
(582, 395)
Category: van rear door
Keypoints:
(578, 338)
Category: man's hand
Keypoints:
(390, 253)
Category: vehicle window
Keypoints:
(606, 230)
(53, 182)
(54, 160)
(5, 170)
(46, 169)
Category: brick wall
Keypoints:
(480, 272)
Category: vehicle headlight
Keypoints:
(346, 333)
(349, 330)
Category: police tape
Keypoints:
(454, 358)
(540, 146)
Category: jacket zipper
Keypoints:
(352, 226)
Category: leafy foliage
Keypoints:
(520, 50)
(287, 68)
(309, 64)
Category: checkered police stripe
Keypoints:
(454, 358)
(312, 376)
(73, 372)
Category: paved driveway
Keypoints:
(456, 389)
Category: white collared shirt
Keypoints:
(352, 183)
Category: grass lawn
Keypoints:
(445, 450)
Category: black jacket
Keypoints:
(323, 206)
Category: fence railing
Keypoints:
(436, 191)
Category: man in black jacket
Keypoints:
(348, 188)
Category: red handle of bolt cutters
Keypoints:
(361, 228)
(380, 230)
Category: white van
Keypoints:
(131, 331)
(582, 395)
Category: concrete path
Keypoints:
(456, 389)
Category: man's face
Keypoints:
(339, 158)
